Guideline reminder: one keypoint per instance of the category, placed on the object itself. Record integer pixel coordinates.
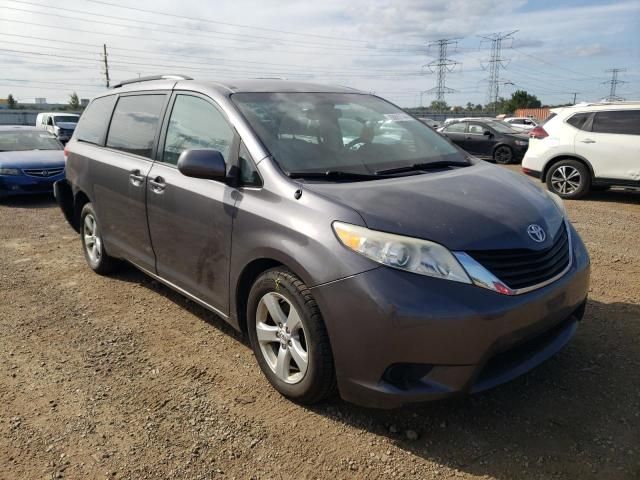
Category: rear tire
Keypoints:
(569, 179)
(503, 155)
(92, 244)
(289, 338)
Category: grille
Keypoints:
(43, 172)
(522, 268)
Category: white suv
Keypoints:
(586, 147)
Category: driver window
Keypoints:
(475, 128)
(196, 124)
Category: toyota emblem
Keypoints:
(537, 233)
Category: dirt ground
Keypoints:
(122, 378)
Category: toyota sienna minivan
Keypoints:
(358, 249)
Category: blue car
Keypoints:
(31, 160)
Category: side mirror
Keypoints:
(205, 163)
(487, 133)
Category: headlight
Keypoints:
(404, 253)
(522, 143)
(9, 171)
(558, 201)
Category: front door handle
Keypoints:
(157, 185)
(588, 140)
(136, 178)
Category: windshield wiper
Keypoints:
(335, 175)
(423, 166)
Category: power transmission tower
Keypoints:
(614, 82)
(106, 63)
(441, 67)
(495, 63)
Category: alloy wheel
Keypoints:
(281, 337)
(92, 242)
(566, 179)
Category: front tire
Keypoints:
(569, 179)
(92, 244)
(289, 338)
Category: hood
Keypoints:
(481, 207)
(67, 125)
(32, 159)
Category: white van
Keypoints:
(59, 124)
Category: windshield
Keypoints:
(21, 141)
(66, 118)
(320, 132)
(502, 127)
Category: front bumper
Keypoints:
(399, 337)
(25, 185)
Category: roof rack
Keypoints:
(152, 77)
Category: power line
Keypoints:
(196, 44)
(496, 63)
(208, 62)
(614, 82)
(441, 67)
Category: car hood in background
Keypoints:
(481, 207)
(32, 159)
(67, 125)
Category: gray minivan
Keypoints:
(357, 248)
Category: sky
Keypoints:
(558, 48)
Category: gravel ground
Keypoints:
(122, 378)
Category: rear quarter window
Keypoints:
(579, 120)
(93, 123)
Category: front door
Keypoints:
(477, 142)
(612, 147)
(120, 176)
(190, 219)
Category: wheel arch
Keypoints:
(80, 199)
(247, 277)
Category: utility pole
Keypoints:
(440, 67)
(106, 63)
(575, 94)
(614, 82)
(495, 63)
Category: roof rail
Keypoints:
(150, 78)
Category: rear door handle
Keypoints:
(588, 140)
(136, 178)
(157, 185)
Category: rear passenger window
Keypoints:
(474, 128)
(196, 124)
(93, 123)
(622, 122)
(135, 123)
(578, 120)
(456, 128)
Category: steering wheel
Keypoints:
(355, 142)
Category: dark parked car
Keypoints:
(488, 139)
(380, 261)
(31, 160)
